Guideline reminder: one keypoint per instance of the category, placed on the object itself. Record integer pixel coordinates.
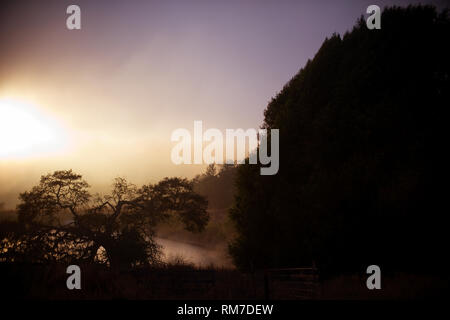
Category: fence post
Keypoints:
(266, 285)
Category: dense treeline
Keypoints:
(217, 185)
(362, 142)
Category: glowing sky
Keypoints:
(137, 70)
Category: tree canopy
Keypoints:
(362, 139)
(60, 220)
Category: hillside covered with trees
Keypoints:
(361, 155)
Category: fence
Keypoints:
(291, 283)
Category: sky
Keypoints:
(105, 99)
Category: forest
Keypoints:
(362, 134)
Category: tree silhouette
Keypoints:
(217, 185)
(362, 136)
(59, 220)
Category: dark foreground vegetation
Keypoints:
(182, 281)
